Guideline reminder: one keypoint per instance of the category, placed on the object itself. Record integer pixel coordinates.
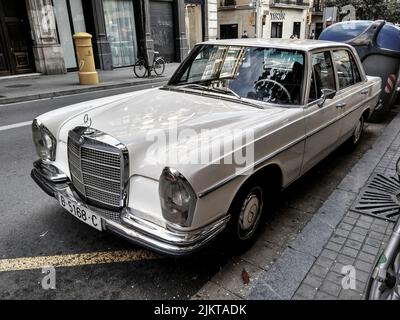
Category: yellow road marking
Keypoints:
(73, 260)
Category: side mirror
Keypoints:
(326, 94)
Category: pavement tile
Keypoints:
(338, 239)
(361, 231)
(363, 224)
(362, 276)
(373, 242)
(338, 267)
(333, 246)
(345, 226)
(330, 288)
(346, 260)
(313, 281)
(352, 214)
(334, 277)
(376, 235)
(353, 244)
(349, 252)
(370, 249)
(342, 233)
(356, 236)
(299, 297)
(320, 295)
(350, 295)
(363, 266)
(306, 291)
(366, 257)
(349, 220)
(329, 254)
(324, 262)
(380, 229)
(366, 219)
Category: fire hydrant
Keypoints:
(84, 51)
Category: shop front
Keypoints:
(286, 23)
(16, 55)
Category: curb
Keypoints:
(285, 276)
(85, 89)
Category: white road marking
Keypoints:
(73, 260)
(16, 125)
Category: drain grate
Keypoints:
(380, 198)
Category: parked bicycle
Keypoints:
(141, 69)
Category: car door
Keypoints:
(351, 91)
(322, 120)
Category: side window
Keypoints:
(346, 69)
(322, 72)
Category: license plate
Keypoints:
(80, 212)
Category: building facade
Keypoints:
(263, 18)
(36, 35)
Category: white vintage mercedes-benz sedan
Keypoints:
(170, 168)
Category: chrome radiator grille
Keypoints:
(97, 171)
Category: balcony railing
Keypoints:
(301, 3)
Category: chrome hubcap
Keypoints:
(250, 213)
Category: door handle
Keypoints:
(340, 105)
(365, 91)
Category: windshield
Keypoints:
(263, 74)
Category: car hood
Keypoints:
(142, 120)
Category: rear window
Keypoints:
(344, 31)
(389, 37)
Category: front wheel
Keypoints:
(246, 214)
(159, 66)
(140, 69)
(357, 133)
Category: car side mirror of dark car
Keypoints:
(326, 94)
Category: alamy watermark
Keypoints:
(188, 146)
(49, 280)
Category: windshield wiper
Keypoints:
(224, 90)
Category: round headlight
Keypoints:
(178, 200)
(44, 141)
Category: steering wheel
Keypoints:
(275, 83)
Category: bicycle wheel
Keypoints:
(159, 66)
(140, 69)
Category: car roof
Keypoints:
(294, 44)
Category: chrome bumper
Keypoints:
(127, 223)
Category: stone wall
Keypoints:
(49, 56)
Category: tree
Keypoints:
(393, 11)
(368, 9)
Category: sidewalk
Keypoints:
(335, 236)
(34, 87)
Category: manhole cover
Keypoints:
(380, 198)
(18, 85)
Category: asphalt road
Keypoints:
(35, 231)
